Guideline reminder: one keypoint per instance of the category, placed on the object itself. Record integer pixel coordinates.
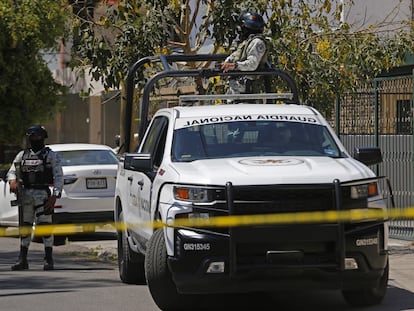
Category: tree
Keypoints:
(28, 92)
(309, 39)
(328, 56)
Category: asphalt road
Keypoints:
(86, 278)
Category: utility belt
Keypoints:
(40, 210)
(38, 187)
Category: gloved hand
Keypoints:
(13, 185)
(49, 205)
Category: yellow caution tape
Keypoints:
(370, 214)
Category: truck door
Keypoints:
(141, 185)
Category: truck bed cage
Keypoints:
(169, 72)
(183, 99)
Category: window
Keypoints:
(87, 157)
(154, 143)
(252, 138)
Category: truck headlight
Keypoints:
(363, 191)
(195, 194)
(193, 215)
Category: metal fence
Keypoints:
(381, 115)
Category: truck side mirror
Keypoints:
(368, 155)
(140, 162)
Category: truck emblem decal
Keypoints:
(270, 162)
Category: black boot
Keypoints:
(22, 263)
(48, 259)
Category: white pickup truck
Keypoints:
(204, 161)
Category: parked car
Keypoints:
(89, 183)
(8, 212)
(89, 186)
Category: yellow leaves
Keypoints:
(327, 6)
(215, 80)
(175, 5)
(299, 65)
(162, 51)
(323, 47)
(283, 59)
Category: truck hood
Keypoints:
(271, 170)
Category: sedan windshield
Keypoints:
(87, 157)
(252, 138)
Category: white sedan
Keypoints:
(8, 210)
(89, 185)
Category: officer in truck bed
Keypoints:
(251, 53)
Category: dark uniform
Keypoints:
(34, 171)
(250, 54)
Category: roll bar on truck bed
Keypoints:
(169, 72)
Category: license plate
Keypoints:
(96, 183)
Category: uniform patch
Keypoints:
(260, 47)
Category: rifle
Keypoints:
(19, 194)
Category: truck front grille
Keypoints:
(282, 199)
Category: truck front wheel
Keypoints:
(130, 264)
(159, 279)
(370, 296)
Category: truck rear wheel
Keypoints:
(368, 297)
(130, 263)
(159, 279)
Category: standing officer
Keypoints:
(251, 53)
(34, 170)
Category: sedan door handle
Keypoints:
(130, 178)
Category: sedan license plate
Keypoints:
(96, 183)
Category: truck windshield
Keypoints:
(251, 139)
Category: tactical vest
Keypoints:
(241, 52)
(36, 171)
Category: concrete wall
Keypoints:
(85, 120)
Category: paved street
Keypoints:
(86, 278)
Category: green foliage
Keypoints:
(108, 45)
(28, 92)
(326, 56)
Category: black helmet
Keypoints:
(37, 130)
(252, 21)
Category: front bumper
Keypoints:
(282, 257)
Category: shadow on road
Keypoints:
(396, 299)
(96, 236)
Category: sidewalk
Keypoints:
(107, 250)
(105, 247)
(400, 243)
